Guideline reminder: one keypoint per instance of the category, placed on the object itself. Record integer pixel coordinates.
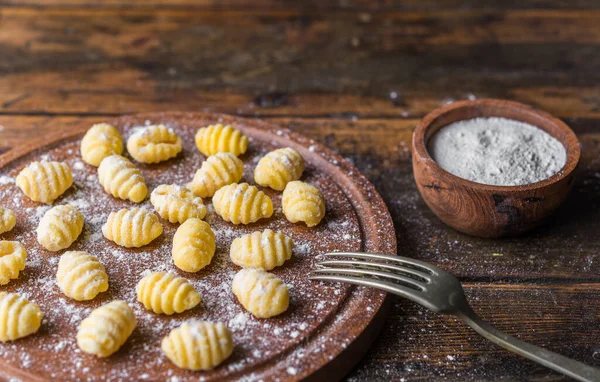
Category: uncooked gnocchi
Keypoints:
(217, 171)
(101, 140)
(302, 202)
(153, 144)
(265, 250)
(262, 293)
(81, 276)
(45, 181)
(18, 317)
(193, 245)
(122, 179)
(8, 220)
(198, 345)
(177, 204)
(165, 292)
(242, 203)
(106, 329)
(13, 257)
(133, 227)
(278, 168)
(215, 139)
(60, 227)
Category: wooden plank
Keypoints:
(395, 65)
(367, 5)
(567, 248)
(419, 345)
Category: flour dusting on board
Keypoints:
(256, 341)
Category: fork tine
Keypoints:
(367, 272)
(378, 284)
(426, 277)
(425, 267)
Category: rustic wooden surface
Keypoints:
(356, 75)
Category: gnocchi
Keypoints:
(242, 203)
(217, 171)
(261, 293)
(302, 202)
(154, 144)
(165, 292)
(81, 276)
(13, 257)
(133, 227)
(100, 141)
(193, 245)
(265, 250)
(60, 227)
(8, 220)
(215, 139)
(45, 181)
(120, 178)
(278, 168)
(176, 204)
(18, 317)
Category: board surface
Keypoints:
(322, 323)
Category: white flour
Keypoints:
(497, 151)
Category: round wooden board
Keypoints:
(326, 329)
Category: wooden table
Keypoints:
(356, 75)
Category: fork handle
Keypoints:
(554, 361)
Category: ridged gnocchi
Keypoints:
(261, 293)
(133, 227)
(154, 144)
(265, 250)
(81, 276)
(302, 202)
(106, 329)
(198, 345)
(100, 141)
(221, 139)
(45, 181)
(60, 227)
(18, 317)
(8, 220)
(278, 168)
(193, 245)
(165, 292)
(242, 203)
(177, 204)
(13, 257)
(216, 171)
(120, 178)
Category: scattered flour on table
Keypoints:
(497, 151)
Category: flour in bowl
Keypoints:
(497, 151)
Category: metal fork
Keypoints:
(439, 291)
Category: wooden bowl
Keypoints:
(484, 210)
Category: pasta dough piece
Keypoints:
(278, 168)
(302, 202)
(217, 171)
(198, 345)
(60, 227)
(133, 227)
(242, 203)
(8, 220)
(101, 140)
(153, 144)
(18, 317)
(45, 181)
(193, 245)
(106, 329)
(215, 139)
(165, 292)
(261, 293)
(176, 204)
(122, 179)
(265, 250)
(12, 260)
(81, 276)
